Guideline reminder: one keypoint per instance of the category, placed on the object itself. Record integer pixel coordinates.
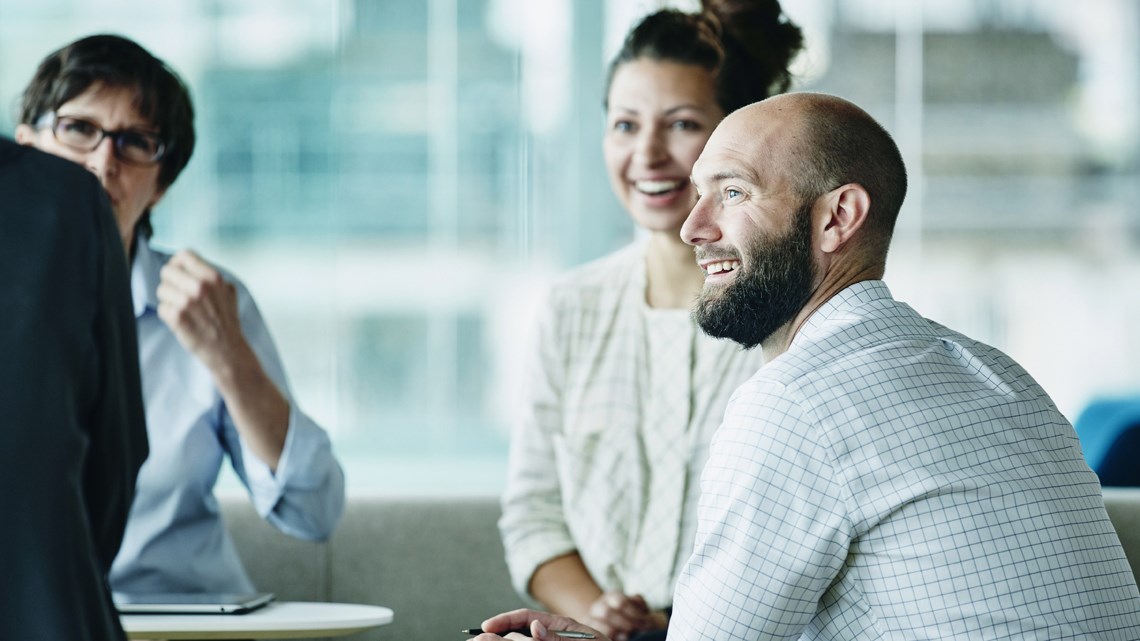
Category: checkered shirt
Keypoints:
(621, 405)
(887, 478)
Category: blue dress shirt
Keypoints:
(175, 539)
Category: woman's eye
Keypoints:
(77, 126)
(686, 125)
(132, 139)
(623, 126)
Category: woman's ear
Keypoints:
(26, 135)
(157, 197)
(847, 208)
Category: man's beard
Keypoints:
(771, 288)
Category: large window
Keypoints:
(393, 180)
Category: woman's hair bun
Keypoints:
(746, 44)
(758, 31)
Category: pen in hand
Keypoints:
(566, 634)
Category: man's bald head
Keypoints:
(822, 142)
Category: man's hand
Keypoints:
(539, 623)
(619, 615)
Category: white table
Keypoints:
(278, 620)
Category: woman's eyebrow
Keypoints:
(692, 107)
(80, 114)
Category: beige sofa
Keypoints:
(437, 563)
(1124, 509)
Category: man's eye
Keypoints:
(732, 193)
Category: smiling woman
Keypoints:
(659, 115)
(599, 508)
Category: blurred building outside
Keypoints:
(395, 179)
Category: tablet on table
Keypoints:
(190, 603)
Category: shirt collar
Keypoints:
(841, 305)
(144, 278)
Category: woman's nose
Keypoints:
(102, 160)
(650, 148)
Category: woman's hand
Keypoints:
(619, 615)
(201, 308)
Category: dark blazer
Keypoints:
(72, 432)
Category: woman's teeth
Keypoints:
(655, 187)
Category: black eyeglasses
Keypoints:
(131, 145)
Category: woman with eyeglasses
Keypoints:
(599, 514)
(213, 384)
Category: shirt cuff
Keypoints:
(266, 486)
(528, 554)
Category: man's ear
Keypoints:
(846, 212)
(26, 135)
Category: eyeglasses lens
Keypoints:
(130, 145)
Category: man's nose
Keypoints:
(700, 227)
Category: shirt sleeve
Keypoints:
(305, 497)
(533, 525)
(773, 530)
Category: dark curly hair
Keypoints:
(746, 44)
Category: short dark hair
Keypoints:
(746, 44)
(161, 96)
(843, 144)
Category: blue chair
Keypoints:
(1109, 430)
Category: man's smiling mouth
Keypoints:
(721, 267)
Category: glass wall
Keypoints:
(1019, 120)
(395, 179)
